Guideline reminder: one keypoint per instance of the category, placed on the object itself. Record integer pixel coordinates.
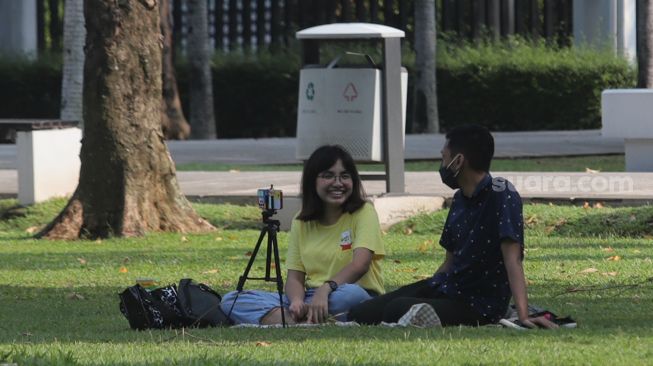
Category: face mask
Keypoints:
(448, 177)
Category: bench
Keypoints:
(628, 114)
(47, 157)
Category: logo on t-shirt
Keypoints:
(345, 240)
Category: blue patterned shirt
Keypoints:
(473, 233)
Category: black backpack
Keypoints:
(189, 305)
(200, 305)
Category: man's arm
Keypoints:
(511, 251)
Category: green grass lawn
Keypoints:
(604, 163)
(59, 302)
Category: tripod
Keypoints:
(270, 229)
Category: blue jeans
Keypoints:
(252, 305)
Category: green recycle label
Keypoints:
(310, 91)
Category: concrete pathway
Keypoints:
(564, 186)
(418, 147)
(533, 185)
(424, 190)
(559, 186)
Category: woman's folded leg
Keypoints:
(250, 305)
(344, 298)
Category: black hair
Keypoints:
(320, 160)
(475, 143)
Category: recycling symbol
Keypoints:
(350, 92)
(310, 91)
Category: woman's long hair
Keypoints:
(322, 159)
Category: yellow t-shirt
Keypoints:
(322, 251)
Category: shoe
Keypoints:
(422, 316)
(566, 322)
(513, 323)
(512, 310)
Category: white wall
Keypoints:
(48, 163)
(606, 23)
(18, 27)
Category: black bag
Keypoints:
(189, 305)
(145, 310)
(200, 305)
(166, 298)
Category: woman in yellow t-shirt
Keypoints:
(334, 249)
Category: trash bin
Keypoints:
(361, 108)
(341, 104)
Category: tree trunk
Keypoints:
(645, 44)
(173, 122)
(202, 119)
(72, 80)
(127, 184)
(425, 115)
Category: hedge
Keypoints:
(512, 86)
(30, 89)
(253, 97)
(517, 86)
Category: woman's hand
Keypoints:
(540, 321)
(318, 309)
(295, 293)
(298, 310)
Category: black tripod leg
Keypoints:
(268, 258)
(273, 240)
(243, 278)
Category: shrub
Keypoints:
(519, 86)
(509, 86)
(254, 97)
(30, 88)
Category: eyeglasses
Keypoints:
(330, 177)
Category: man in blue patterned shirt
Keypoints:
(484, 241)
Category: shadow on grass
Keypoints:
(556, 253)
(557, 221)
(94, 260)
(37, 315)
(245, 223)
(628, 221)
(29, 357)
(15, 217)
(238, 257)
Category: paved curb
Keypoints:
(394, 209)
